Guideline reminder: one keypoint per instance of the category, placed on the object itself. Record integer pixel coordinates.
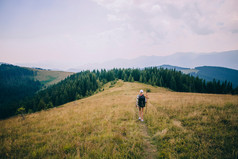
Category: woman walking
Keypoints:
(141, 104)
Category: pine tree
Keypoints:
(131, 79)
(50, 105)
(172, 84)
(125, 78)
(161, 82)
(141, 79)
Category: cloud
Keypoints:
(100, 30)
(200, 17)
(162, 27)
(116, 18)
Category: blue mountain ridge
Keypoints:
(226, 59)
(209, 73)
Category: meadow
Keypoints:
(106, 125)
(48, 77)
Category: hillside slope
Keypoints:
(209, 73)
(105, 125)
(48, 77)
(16, 83)
(219, 73)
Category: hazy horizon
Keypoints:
(64, 34)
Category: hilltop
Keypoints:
(105, 125)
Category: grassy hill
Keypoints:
(48, 77)
(18, 83)
(105, 125)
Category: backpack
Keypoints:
(141, 101)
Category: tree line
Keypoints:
(16, 83)
(86, 83)
(74, 87)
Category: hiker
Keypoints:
(141, 104)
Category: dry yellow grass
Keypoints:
(105, 125)
(193, 125)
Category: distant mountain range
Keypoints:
(209, 73)
(219, 65)
(189, 60)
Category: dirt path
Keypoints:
(151, 151)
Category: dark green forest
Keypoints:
(86, 83)
(16, 83)
(221, 73)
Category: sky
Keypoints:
(61, 34)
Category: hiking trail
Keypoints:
(151, 151)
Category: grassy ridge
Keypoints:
(105, 125)
(48, 78)
(101, 126)
(187, 125)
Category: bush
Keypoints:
(148, 90)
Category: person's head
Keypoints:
(141, 91)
